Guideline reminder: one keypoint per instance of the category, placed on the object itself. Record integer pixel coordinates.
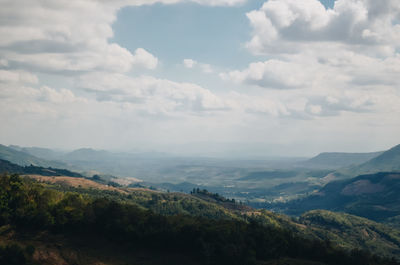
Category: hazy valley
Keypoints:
(222, 189)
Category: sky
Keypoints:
(201, 77)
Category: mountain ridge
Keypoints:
(387, 161)
(25, 159)
(336, 160)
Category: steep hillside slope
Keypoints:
(387, 161)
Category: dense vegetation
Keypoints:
(348, 231)
(28, 206)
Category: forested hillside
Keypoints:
(374, 196)
(55, 216)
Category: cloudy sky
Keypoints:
(249, 77)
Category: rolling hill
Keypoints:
(24, 159)
(43, 153)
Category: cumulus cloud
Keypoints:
(66, 36)
(338, 60)
(273, 74)
(63, 35)
(151, 94)
(20, 99)
(287, 25)
(145, 59)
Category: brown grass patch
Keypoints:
(74, 182)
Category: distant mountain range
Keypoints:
(23, 158)
(89, 155)
(338, 160)
(354, 164)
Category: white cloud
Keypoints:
(145, 59)
(7, 76)
(51, 95)
(338, 60)
(152, 95)
(274, 74)
(66, 36)
(19, 99)
(189, 63)
(288, 25)
(3, 62)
